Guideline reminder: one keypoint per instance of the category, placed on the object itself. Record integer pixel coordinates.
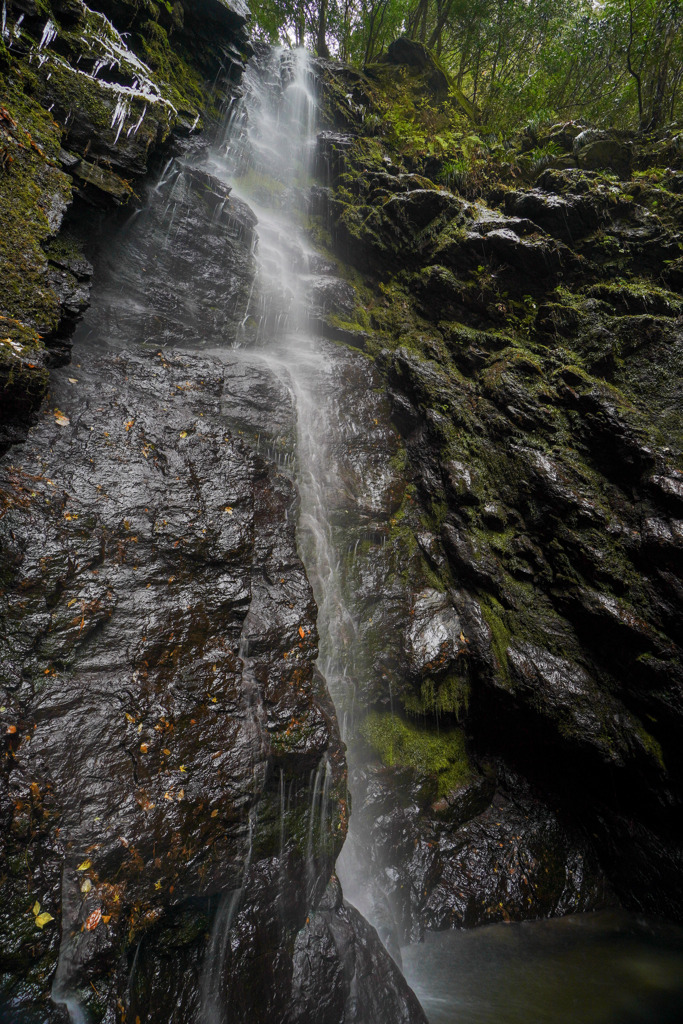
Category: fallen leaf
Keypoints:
(86, 886)
(144, 748)
(214, 813)
(302, 632)
(129, 424)
(182, 768)
(43, 919)
(61, 418)
(183, 433)
(73, 380)
(36, 908)
(181, 795)
(92, 920)
(106, 918)
(84, 866)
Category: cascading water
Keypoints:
(345, 444)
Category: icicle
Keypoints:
(120, 115)
(49, 33)
(136, 127)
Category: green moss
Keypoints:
(29, 186)
(496, 620)
(184, 84)
(401, 744)
(449, 696)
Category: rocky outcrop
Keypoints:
(84, 112)
(342, 976)
(530, 341)
(158, 687)
(486, 850)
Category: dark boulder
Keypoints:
(413, 54)
(343, 974)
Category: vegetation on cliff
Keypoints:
(523, 304)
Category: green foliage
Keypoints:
(618, 62)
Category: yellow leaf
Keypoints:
(36, 908)
(71, 603)
(84, 866)
(73, 380)
(86, 885)
(129, 424)
(183, 433)
(61, 418)
(42, 919)
(181, 795)
(228, 509)
(157, 885)
(214, 813)
(182, 768)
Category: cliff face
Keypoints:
(173, 787)
(507, 504)
(528, 328)
(91, 95)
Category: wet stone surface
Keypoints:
(488, 850)
(529, 337)
(159, 641)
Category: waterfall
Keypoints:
(244, 205)
(266, 157)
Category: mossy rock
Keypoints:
(402, 744)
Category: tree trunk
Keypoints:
(321, 44)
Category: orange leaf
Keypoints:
(92, 920)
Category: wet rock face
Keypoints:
(85, 113)
(182, 273)
(342, 975)
(158, 683)
(532, 354)
(487, 851)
